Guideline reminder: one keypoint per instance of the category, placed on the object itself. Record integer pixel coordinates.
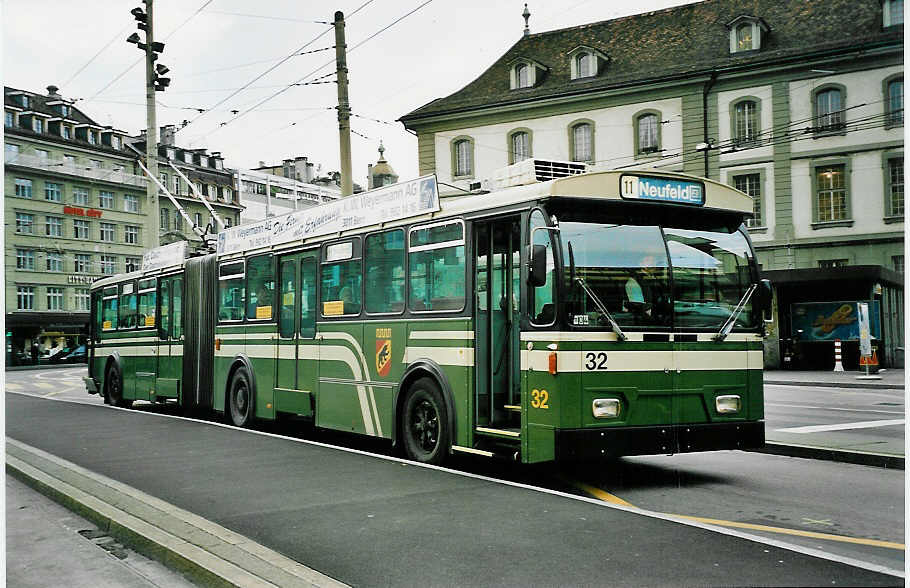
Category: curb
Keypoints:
(201, 550)
(879, 460)
(45, 366)
(865, 384)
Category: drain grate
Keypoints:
(105, 542)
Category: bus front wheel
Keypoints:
(425, 425)
(114, 388)
(241, 399)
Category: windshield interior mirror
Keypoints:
(537, 266)
(764, 297)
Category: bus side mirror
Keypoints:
(537, 265)
(763, 299)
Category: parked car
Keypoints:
(58, 356)
(77, 355)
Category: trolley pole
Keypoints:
(344, 109)
(151, 133)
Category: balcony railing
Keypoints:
(82, 171)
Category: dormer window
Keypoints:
(892, 13)
(170, 153)
(203, 161)
(23, 100)
(188, 157)
(746, 33)
(586, 62)
(525, 73)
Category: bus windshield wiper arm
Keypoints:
(731, 320)
(601, 308)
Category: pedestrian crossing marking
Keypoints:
(842, 426)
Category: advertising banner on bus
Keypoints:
(402, 200)
(827, 321)
(164, 256)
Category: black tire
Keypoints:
(425, 425)
(240, 399)
(113, 388)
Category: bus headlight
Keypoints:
(728, 404)
(606, 408)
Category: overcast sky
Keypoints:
(429, 54)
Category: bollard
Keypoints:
(838, 365)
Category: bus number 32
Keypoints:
(539, 398)
(596, 361)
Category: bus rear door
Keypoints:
(297, 365)
(170, 336)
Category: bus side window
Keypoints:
(288, 279)
(541, 306)
(147, 303)
(384, 262)
(231, 291)
(178, 309)
(342, 276)
(308, 297)
(109, 309)
(261, 287)
(97, 315)
(127, 311)
(436, 267)
(165, 321)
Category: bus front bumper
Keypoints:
(591, 444)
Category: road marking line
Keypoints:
(797, 532)
(784, 404)
(792, 547)
(601, 494)
(842, 426)
(809, 521)
(54, 393)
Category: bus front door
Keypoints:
(497, 370)
(298, 351)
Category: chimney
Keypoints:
(261, 163)
(52, 91)
(168, 133)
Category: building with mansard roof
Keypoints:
(798, 103)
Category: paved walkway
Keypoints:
(890, 379)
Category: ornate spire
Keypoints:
(381, 151)
(526, 14)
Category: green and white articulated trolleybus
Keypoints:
(587, 316)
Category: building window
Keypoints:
(83, 263)
(69, 160)
(751, 185)
(894, 102)
(519, 146)
(197, 219)
(744, 37)
(91, 137)
(831, 193)
(25, 298)
(25, 223)
(897, 262)
(463, 157)
(895, 186)
(25, 259)
(53, 226)
(81, 299)
(228, 195)
(80, 229)
(108, 265)
(176, 185)
(131, 234)
(54, 262)
(52, 192)
(23, 188)
(165, 219)
(107, 232)
(64, 110)
(23, 100)
(829, 110)
(115, 142)
(106, 199)
(80, 195)
(11, 151)
(892, 13)
(37, 125)
(96, 163)
(7, 118)
(65, 132)
(647, 133)
(584, 65)
(188, 157)
(54, 298)
(522, 78)
(132, 264)
(745, 122)
(130, 203)
(581, 141)
(178, 221)
(829, 263)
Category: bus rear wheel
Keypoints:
(425, 426)
(240, 398)
(114, 388)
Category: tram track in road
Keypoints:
(678, 488)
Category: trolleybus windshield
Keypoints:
(649, 277)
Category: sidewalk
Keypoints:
(891, 379)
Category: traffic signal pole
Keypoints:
(344, 109)
(151, 133)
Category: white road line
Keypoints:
(784, 404)
(842, 426)
(793, 547)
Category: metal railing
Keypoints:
(83, 171)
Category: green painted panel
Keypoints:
(167, 387)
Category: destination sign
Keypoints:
(164, 256)
(635, 187)
(397, 201)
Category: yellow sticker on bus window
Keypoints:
(150, 320)
(287, 299)
(106, 325)
(263, 312)
(333, 308)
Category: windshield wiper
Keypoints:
(601, 308)
(731, 320)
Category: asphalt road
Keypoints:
(849, 510)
